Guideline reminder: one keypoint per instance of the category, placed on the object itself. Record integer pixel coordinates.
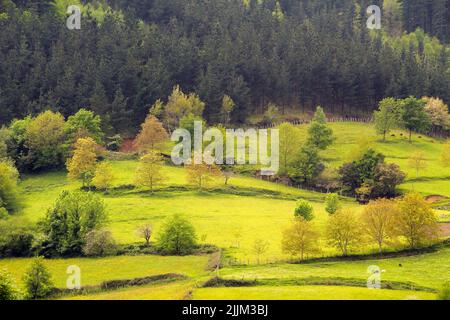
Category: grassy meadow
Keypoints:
(232, 217)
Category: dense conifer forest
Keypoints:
(296, 54)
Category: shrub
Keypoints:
(16, 239)
(8, 187)
(8, 289)
(37, 281)
(17, 245)
(177, 237)
(305, 210)
(332, 204)
(99, 243)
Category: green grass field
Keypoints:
(233, 218)
(307, 293)
(96, 270)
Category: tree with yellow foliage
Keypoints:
(152, 135)
(104, 176)
(149, 171)
(227, 108)
(378, 219)
(83, 162)
(300, 238)
(201, 175)
(344, 231)
(181, 105)
(416, 221)
(44, 138)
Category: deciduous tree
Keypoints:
(378, 219)
(83, 162)
(417, 162)
(84, 124)
(177, 236)
(344, 231)
(300, 238)
(45, 136)
(202, 175)
(416, 221)
(145, 231)
(414, 117)
(289, 146)
(181, 105)
(152, 135)
(332, 203)
(387, 117)
(304, 210)
(149, 171)
(103, 176)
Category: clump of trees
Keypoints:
(308, 164)
(384, 223)
(17, 238)
(412, 114)
(370, 177)
(69, 221)
(47, 140)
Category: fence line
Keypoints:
(307, 121)
(297, 122)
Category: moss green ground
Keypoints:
(259, 214)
